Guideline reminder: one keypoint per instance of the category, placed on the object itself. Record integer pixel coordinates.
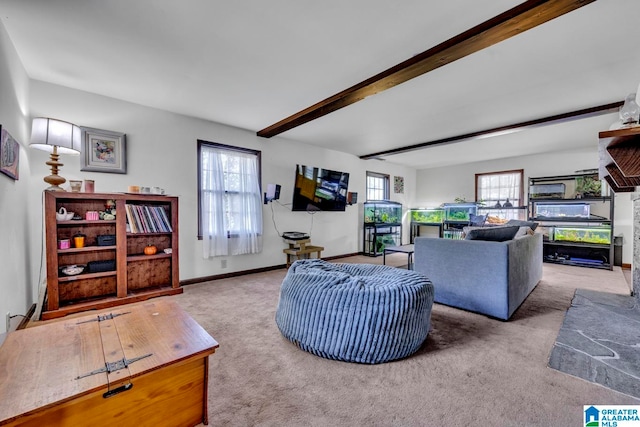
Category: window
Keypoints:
(501, 187)
(377, 186)
(229, 200)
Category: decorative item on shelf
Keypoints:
(507, 204)
(72, 270)
(630, 111)
(106, 240)
(75, 185)
(101, 266)
(107, 216)
(150, 250)
(110, 206)
(497, 205)
(109, 212)
(57, 137)
(64, 244)
(78, 240)
(92, 216)
(167, 251)
(89, 186)
(63, 215)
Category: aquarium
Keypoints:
(599, 235)
(588, 186)
(382, 212)
(459, 212)
(547, 191)
(427, 216)
(562, 210)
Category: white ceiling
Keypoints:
(251, 63)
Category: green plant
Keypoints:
(588, 186)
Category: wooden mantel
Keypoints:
(619, 158)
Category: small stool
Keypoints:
(298, 249)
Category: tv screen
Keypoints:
(318, 189)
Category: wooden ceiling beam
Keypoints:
(545, 121)
(515, 21)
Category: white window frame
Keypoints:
(493, 187)
(378, 186)
(227, 213)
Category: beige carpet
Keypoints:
(472, 370)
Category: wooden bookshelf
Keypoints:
(134, 276)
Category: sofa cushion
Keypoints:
(477, 220)
(521, 223)
(493, 234)
(523, 231)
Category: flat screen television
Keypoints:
(318, 189)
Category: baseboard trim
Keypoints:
(329, 258)
(252, 271)
(628, 266)
(229, 275)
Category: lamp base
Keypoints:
(54, 188)
(54, 180)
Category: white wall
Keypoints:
(16, 279)
(439, 185)
(161, 151)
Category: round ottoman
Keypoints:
(354, 312)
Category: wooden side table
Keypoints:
(301, 249)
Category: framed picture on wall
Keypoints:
(398, 184)
(9, 155)
(103, 151)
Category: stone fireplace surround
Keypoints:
(599, 340)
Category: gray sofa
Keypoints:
(487, 277)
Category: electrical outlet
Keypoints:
(223, 263)
(8, 324)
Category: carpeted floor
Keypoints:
(471, 370)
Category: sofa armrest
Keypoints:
(468, 274)
(491, 278)
(525, 268)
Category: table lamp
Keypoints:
(56, 137)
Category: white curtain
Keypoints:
(231, 203)
(499, 187)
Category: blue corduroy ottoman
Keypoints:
(354, 312)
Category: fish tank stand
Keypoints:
(382, 226)
(430, 220)
(575, 214)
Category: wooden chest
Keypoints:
(137, 365)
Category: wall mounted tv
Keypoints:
(318, 189)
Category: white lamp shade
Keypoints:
(47, 133)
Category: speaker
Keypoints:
(273, 193)
(352, 198)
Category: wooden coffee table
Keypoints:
(139, 364)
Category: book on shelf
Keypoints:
(147, 219)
